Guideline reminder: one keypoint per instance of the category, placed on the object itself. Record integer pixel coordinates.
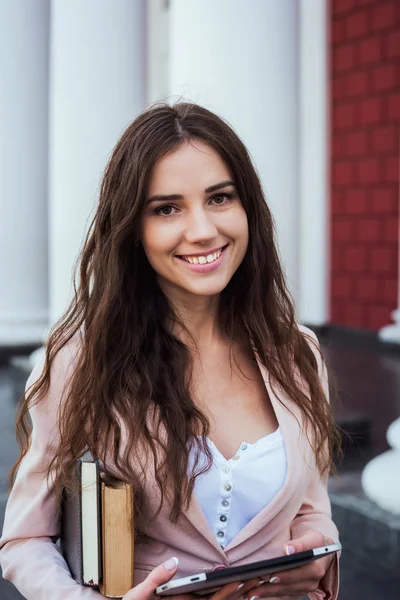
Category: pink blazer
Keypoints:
(32, 561)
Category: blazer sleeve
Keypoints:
(29, 556)
(315, 511)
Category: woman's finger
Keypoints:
(158, 576)
(313, 571)
(234, 591)
(286, 583)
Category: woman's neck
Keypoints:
(198, 322)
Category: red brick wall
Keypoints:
(365, 161)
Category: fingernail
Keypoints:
(255, 597)
(171, 563)
(262, 581)
(290, 549)
(239, 587)
(275, 580)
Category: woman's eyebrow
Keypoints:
(171, 197)
(218, 186)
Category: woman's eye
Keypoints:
(165, 211)
(221, 199)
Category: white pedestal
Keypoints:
(381, 477)
(391, 333)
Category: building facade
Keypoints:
(311, 86)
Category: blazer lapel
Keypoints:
(290, 432)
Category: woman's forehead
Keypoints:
(193, 165)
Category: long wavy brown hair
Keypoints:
(130, 365)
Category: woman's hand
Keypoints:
(158, 576)
(301, 580)
(165, 572)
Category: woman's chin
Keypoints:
(210, 286)
(204, 289)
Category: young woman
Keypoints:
(179, 364)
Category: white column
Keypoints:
(97, 86)
(157, 49)
(313, 164)
(239, 59)
(24, 41)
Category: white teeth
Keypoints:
(202, 260)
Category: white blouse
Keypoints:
(234, 491)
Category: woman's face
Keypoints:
(196, 239)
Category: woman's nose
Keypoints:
(200, 227)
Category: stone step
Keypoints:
(369, 535)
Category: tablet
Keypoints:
(207, 583)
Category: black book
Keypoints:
(81, 525)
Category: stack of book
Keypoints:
(97, 538)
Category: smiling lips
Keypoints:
(203, 259)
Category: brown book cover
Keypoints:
(117, 509)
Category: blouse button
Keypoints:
(225, 503)
(243, 446)
(223, 518)
(236, 458)
(226, 469)
(227, 487)
(220, 534)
